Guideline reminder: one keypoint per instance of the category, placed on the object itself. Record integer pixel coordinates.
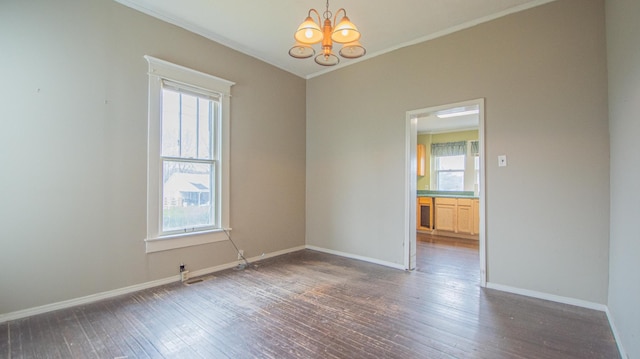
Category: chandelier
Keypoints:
(343, 32)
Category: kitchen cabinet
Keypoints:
(464, 220)
(446, 214)
(459, 217)
(421, 156)
(476, 216)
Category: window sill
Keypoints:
(184, 240)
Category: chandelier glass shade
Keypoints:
(301, 51)
(343, 32)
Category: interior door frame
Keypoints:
(411, 141)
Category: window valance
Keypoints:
(475, 148)
(449, 148)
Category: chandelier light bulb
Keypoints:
(308, 34)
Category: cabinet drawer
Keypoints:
(425, 200)
(449, 201)
(464, 201)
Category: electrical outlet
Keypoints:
(240, 254)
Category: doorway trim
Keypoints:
(411, 141)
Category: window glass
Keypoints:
(450, 173)
(186, 196)
(187, 185)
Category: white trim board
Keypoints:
(355, 256)
(547, 296)
(133, 288)
(616, 334)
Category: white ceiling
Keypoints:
(264, 29)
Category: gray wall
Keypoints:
(73, 167)
(623, 32)
(543, 75)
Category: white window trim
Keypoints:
(158, 70)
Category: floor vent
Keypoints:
(197, 280)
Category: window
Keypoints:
(189, 120)
(476, 167)
(449, 165)
(450, 173)
(188, 152)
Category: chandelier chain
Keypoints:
(327, 14)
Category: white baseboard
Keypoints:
(86, 299)
(355, 256)
(547, 296)
(221, 267)
(130, 289)
(566, 300)
(616, 335)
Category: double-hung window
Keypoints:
(450, 173)
(190, 121)
(449, 165)
(188, 157)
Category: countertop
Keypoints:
(446, 194)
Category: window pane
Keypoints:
(187, 125)
(205, 125)
(476, 165)
(189, 130)
(170, 123)
(186, 195)
(450, 163)
(451, 181)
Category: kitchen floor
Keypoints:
(453, 258)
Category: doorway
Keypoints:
(458, 116)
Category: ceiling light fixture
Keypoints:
(343, 32)
(456, 114)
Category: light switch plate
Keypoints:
(502, 161)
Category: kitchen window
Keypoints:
(449, 165)
(450, 173)
(188, 157)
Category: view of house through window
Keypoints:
(188, 159)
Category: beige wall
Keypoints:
(623, 32)
(542, 73)
(73, 150)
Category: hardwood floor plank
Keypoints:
(5, 349)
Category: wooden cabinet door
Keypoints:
(421, 156)
(465, 222)
(476, 216)
(446, 214)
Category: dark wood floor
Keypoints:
(314, 305)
